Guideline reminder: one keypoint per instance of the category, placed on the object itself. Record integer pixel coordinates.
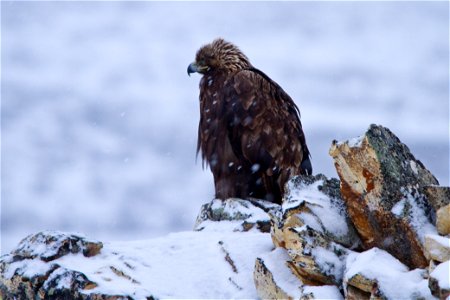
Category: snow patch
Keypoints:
(414, 167)
(195, 259)
(282, 275)
(412, 207)
(329, 262)
(355, 142)
(323, 292)
(326, 209)
(27, 268)
(444, 241)
(394, 279)
(442, 274)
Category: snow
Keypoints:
(442, 274)
(394, 279)
(331, 215)
(180, 265)
(27, 268)
(329, 262)
(239, 209)
(282, 275)
(355, 142)
(323, 292)
(444, 241)
(99, 118)
(414, 167)
(410, 208)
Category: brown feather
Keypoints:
(250, 132)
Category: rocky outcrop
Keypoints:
(387, 203)
(30, 271)
(371, 235)
(382, 184)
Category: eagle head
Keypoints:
(219, 56)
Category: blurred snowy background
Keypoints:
(99, 118)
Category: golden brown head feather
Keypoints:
(221, 56)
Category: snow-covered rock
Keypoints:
(316, 201)
(437, 247)
(439, 198)
(275, 279)
(439, 281)
(382, 276)
(237, 214)
(185, 264)
(381, 184)
(230, 253)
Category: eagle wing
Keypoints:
(264, 126)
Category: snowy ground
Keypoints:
(99, 117)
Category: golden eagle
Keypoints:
(250, 132)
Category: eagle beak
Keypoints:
(192, 68)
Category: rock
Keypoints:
(274, 279)
(29, 271)
(241, 214)
(316, 201)
(55, 244)
(198, 265)
(381, 276)
(353, 293)
(381, 184)
(315, 258)
(439, 281)
(437, 247)
(443, 220)
(438, 196)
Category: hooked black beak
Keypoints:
(192, 68)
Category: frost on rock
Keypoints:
(236, 214)
(379, 275)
